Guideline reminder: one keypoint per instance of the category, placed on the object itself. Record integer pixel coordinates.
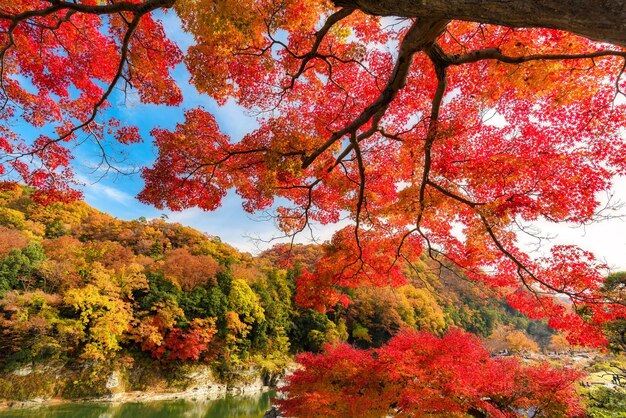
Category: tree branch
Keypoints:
(139, 8)
(421, 34)
(496, 54)
(603, 21)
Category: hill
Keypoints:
(83, 292)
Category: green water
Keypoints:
(231, 407)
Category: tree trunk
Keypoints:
(600, 20)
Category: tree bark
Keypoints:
(600, 20)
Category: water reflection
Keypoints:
(230, 407)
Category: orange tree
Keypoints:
(386, 121)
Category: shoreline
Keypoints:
(195, 394)
(199, 385)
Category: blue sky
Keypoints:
(115, 194)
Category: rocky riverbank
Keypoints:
(197, 384)
(203, 390)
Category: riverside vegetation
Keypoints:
(87, 299)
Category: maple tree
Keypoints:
(385, 122)
(184, 345)
(418, 374)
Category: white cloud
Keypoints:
(100, 192)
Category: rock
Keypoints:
(201, 386)
(204, 385)
(23, 371)
(283, 378)
(250, 388)
(113, 381)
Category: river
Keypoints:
(230, 407)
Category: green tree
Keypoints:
(19, 269)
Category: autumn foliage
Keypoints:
(180, 345)
(408, 129)
(418, 374)
(431, 136)
(97, 294)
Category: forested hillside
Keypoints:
(85, 291)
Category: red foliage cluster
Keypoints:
(418, 374)
(183, 345)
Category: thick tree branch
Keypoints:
(438, 59)
(139, 8)
(603, 20)
(421, 34)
